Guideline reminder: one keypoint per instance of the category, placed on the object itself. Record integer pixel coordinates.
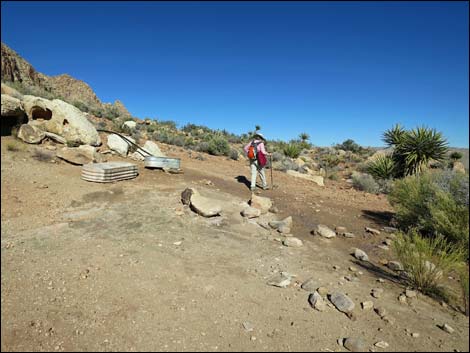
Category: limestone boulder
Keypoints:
(261, 203)
(80, 155)
(153, 148)
(63, 119)
(31, 134)
(11, 91)
(117, 144)
(12, 106)
(317, 179)
(205, 206)
(131, 124)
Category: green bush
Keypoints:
(426, 261)
(463, 277)
(365, 182)
(233, 154)
(455, 156)
(349, 145)
(218, 146)
(435, 203)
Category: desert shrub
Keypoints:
(365, 182)
(277, 156)
(426, 261)
(292, 150)
(333, 176)
(233, 154)
(381, 167)
(81, 106)
(177, 140)
(349, 145)
(202, 147)
(455, 156)
(385, 185)
(218, 146)
(285, 164)
(435, 203)
(463, 276)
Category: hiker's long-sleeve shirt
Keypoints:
(260, 147)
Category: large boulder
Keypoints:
(317, 179)
(131, 124)
(261, 203)
(11, 91)
(12, 106)
(153, 148)
(117, 144)
(80, 155)
(205, 206)
(30, 134)
(63, 119)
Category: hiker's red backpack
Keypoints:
(252, 151)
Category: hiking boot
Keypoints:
(253, 188)
(266, 187)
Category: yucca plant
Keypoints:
(394, 136)
(292, 150)
(304, 136)
(382, 167)
(419, 146)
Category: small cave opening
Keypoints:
(10, 123)
(38, 113)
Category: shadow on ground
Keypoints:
(380, 272)
(383, 218)
(242, 179)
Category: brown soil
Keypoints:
(99, 267)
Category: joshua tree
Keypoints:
(304, 136)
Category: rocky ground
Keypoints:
(126, 266)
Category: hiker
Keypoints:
(256, 153)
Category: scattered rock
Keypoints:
(395, 266)
(377, 292)
(292, 241)
(381, 311)
(322, 291)
(316, 301)
(251, 212)
(309, 285)
(390, 229)
(348, 235)
(78, 155)
(381, 344)
(55, 137)
(317, 179)
(284, 229)
(186, 195)
(388, 319)
(383, 247)
(367, 305)
(340, 230)
(360, 255)
(354, 344)
(261, 203)
(388, 242)
(248, 326)
(117, 144)
(342, 302)
(324, 231)
(153, 149)
(415, 335)
(352, 269)
(411, 293)
(281, 280)
(372, 230)
(402, 299)
(447, 328)
(131, 124)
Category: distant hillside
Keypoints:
(21, 75)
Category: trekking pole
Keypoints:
(271, 165)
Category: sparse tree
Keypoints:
(304, 136)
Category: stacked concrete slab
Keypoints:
(109, 172)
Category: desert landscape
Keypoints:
(190, 258)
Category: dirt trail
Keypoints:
(110, 267)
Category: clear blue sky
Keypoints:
(335, 70)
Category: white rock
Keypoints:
(118, 144)
(367, 305)
(317, 179)
(360, 255)
(30, 134)
(153, 148)
(204, 206)
(131, 124)
(324, 231)
(261, 203)
(292, 241)
(12, 106)
(251, 212)
(381, 344)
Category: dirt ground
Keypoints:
(126, 267)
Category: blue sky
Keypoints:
(335, 70)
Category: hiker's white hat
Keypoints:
(260, 135)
